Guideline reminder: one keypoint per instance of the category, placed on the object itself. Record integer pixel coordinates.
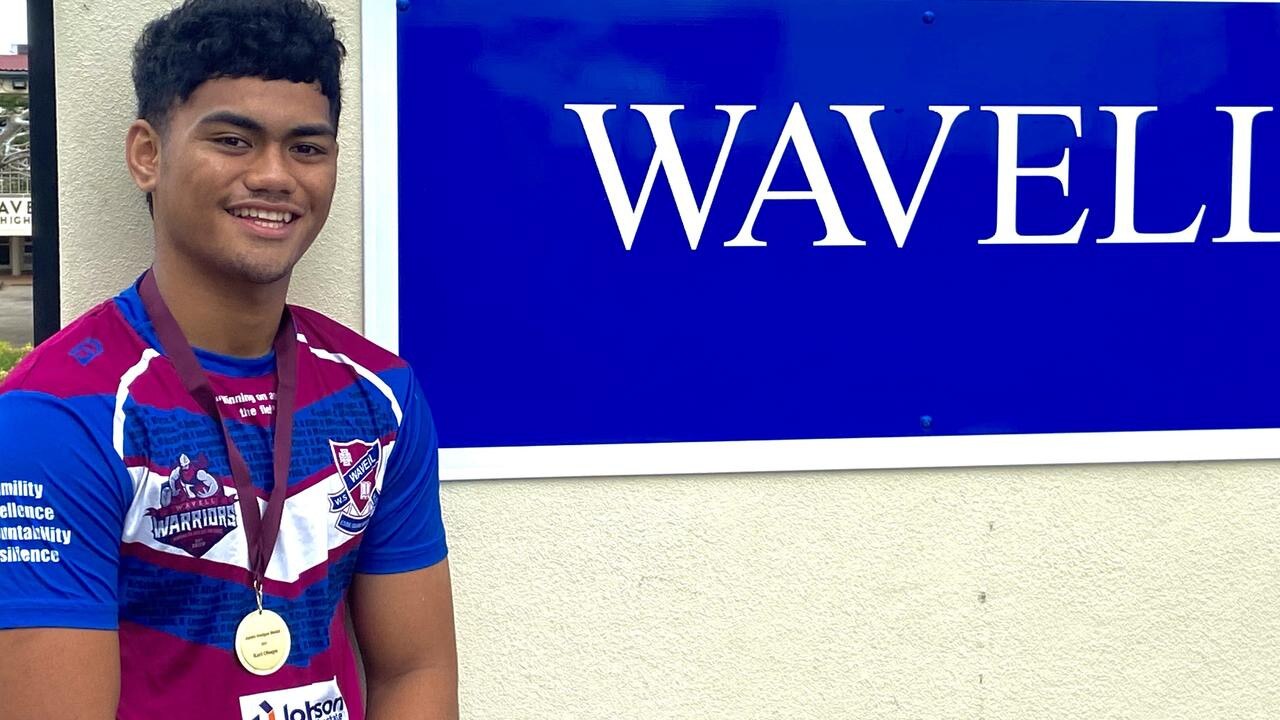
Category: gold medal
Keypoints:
(263, 642)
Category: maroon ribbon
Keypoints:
(262, 530)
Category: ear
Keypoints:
(142, 155)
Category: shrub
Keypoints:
(9, 356)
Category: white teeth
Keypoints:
(271, 216)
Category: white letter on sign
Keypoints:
(1008, 172)
(859, 119)
(796, 131)
(1126, 171)
(666, 155)
(1242, 176)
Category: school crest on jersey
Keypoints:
(195, 510)
(357, 462)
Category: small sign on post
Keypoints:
(15, 215)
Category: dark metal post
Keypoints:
(46, 290)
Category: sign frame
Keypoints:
(381, 325)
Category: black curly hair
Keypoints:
(204, 39)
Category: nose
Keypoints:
(271, 173)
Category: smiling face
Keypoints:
(241, 177)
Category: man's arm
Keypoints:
(404, 625)
(57, 674)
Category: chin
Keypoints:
(259, 273)
(264, 277)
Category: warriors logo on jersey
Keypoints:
(195, 511)
(357, 463)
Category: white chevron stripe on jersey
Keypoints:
(122, 394)
(308, 529)
(362, 371)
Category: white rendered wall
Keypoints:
(1075, 592)
(1139, 591)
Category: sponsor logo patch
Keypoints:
(318, 701)
(357, 462)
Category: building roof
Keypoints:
(13, 63)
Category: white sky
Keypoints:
(13, 24)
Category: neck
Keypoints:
(217, 314)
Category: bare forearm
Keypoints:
(427, 694)
(85, 666)
(404, 625)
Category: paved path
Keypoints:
(15, 314)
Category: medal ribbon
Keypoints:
(261, 530)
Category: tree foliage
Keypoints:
(15, 142)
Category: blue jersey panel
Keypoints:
(164, 432)
(63, 499)
(407, 532)
(211, 608)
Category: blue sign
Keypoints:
(714, 221)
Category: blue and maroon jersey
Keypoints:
(118, 510)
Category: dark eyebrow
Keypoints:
(324, 129)
(230, 118)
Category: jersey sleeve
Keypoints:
(406, 532)
(63, 499)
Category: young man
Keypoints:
(183, 532)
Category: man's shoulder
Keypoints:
(87, 357)
(324, 335)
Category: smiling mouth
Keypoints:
(267, 219)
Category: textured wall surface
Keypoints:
(106, 239)
(1145, 591)
(1067, 592)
